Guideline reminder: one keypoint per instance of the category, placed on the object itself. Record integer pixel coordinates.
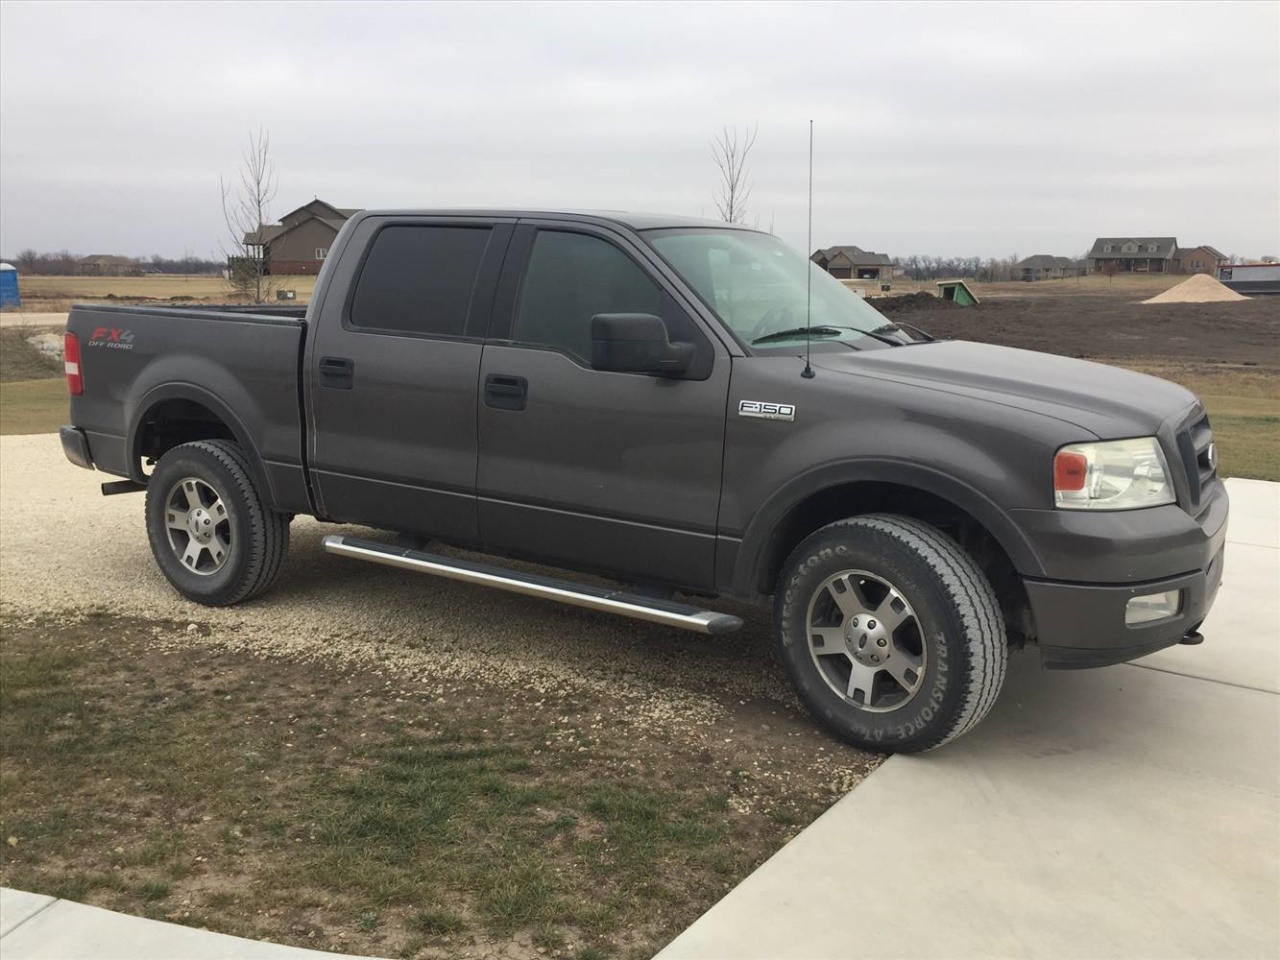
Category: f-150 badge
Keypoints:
(766, 411)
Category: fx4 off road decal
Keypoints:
(111, 338)
(766, 411)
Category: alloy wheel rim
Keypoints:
(866, 641)
(198, 526)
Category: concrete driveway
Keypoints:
(1132, 811)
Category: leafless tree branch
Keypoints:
(729, 153)
(246, 210)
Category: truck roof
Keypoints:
(636, 221)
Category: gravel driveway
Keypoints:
(67, 551)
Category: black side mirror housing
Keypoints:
(637, 343)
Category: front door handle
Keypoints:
(337, 373)
(505, 393)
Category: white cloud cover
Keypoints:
(954, 128)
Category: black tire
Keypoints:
(239, 544)
(945, 643)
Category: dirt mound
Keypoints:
(914, 302)
(1201, 288)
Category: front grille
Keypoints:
(1195, 445)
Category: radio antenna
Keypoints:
(807, 373)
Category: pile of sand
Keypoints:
(1201, 288)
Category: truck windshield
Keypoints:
(756, 285)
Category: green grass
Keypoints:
(19, 360)
(1247, 438)
(215, 788)
(33, 406)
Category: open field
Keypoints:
(1131, 287)
(41, 294)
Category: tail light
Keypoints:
(71, 356)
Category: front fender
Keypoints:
(759, 537)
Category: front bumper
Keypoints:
(1080, 619)
(1083, 624)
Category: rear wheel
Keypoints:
(210, 533)
(890, 633)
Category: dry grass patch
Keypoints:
(311, 805)
(58, 293)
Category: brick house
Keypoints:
(853, 263)
(1134, 255)
(1200, 260)
(299, 243)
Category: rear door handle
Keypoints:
(337, 373)
(505, 393)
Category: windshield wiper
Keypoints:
(879, 334)
(924, 335)
(819, 331)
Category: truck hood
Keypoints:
(1106, 401)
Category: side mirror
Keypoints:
(637, 343)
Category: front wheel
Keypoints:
(211, 534)
(890, 632)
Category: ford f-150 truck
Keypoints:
(677, 406)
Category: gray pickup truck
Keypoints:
(678, 406)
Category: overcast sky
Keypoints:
(951, 128)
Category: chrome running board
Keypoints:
(670, 614)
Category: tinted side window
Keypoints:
(570, 278)
(419, 279)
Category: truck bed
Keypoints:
(147, 366)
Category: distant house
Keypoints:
(1200, 260)
(853, 263)
(1043, 266)
(1134, 255)
(108, 265)
(301, 240)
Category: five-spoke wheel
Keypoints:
(865, 640)
(198, 528)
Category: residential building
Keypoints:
(853, 263)
(301, 240)
(1200, 260)
(108, 265)
(1133, 255)
(1044, 266)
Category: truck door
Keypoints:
(611, 472)
(392, 367)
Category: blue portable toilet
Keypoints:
(9, 296)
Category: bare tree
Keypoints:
(729, 153)
(246, 210)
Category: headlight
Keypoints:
(1111, 475)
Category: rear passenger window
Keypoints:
(570, 278)
(419, 279)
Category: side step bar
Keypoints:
(576, 594)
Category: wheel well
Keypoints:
(853, 499)
(173, 422)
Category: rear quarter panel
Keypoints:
(242, 367)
